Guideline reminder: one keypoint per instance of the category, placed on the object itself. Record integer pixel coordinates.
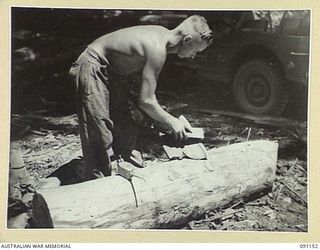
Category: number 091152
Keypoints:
(309, 246)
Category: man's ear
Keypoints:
(187, 39)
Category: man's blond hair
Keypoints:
(198, 24)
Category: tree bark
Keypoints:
(168, 195)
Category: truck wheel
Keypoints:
(259, 88)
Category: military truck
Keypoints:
(259, 53)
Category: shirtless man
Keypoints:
(102, 66)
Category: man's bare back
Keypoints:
(126, 49)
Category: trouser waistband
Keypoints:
(93, 57)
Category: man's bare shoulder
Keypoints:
(143, 29)
(147, 34)
(148, 40)
(151, 43)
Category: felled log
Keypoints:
(168, 195)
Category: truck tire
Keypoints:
(259, 87)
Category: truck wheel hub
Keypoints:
(257, 91)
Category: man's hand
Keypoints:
(179, 129)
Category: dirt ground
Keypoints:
(51, 147)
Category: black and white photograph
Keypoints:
(159, 119)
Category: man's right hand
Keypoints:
(179, 129)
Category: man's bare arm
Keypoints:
(148, 102)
